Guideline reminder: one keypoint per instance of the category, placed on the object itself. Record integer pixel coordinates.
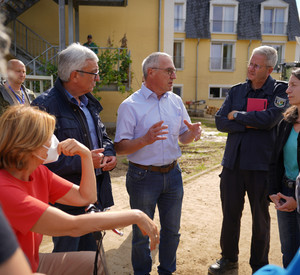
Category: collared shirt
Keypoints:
(83, 103)
(139, 112)
(92, 130)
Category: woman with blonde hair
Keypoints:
(27, 186)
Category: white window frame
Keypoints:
(220, 86)
(233, 42)
(181, 88)
(281, 58)
(274, 4)
(183, 4)
(223, 3)
(179, 40)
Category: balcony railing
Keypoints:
(222, 64)
(179, 25)
(223, 26)
(274, 27)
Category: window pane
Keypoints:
(177, 90)
(216, 56)
(279, 49)
(217, 18)
(177, 54)
(279, 21)
(268, 21)
(229, 19)
(178, 18)
(214, 92)
(227, 56)
(224, 92)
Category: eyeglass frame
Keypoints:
(256, 66)
(85, 72)
(169, 71)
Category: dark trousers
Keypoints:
(289, 230)
(68, 244)
(234, 185)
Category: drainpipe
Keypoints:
(62, 25)
(197, 53)
(159, 24)
(249, 50)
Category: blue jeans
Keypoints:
(146, 190)
(289, 230)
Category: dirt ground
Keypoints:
(200, 230)
(200, 227)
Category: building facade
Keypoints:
(210, 40)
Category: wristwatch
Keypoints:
(235, 115)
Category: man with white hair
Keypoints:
(249, 115)
(150, 123)
(12, 90)
(77, 116)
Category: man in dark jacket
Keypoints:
(77, 116)
(250, 124)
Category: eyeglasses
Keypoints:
(95, 74)
(256, 66)
(169, 71)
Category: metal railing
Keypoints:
(178, 62)
(35, 49)
(41, 57)
(274, 27)
(223, 26)
(41, 79)
(179, 25)
(36, 83)
(217, 64)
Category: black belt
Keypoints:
(289, 183)
(161, 169)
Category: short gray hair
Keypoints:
(269, 52)
(152, 61)
(73, 58)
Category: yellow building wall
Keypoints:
(138, 20)
(243, 50)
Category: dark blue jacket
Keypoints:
(252, 146)
(71, 123)
(277, 170)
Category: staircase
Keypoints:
(32, 49)
(12, 9)
(37, 53)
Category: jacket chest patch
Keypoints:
(280, 102)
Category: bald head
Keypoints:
(16, 72)
(12, 63)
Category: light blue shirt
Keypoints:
(139, 112)
(290, 156)
(91, 125)
(92, 130)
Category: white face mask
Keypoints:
(52, 151)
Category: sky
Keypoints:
(298, 5)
